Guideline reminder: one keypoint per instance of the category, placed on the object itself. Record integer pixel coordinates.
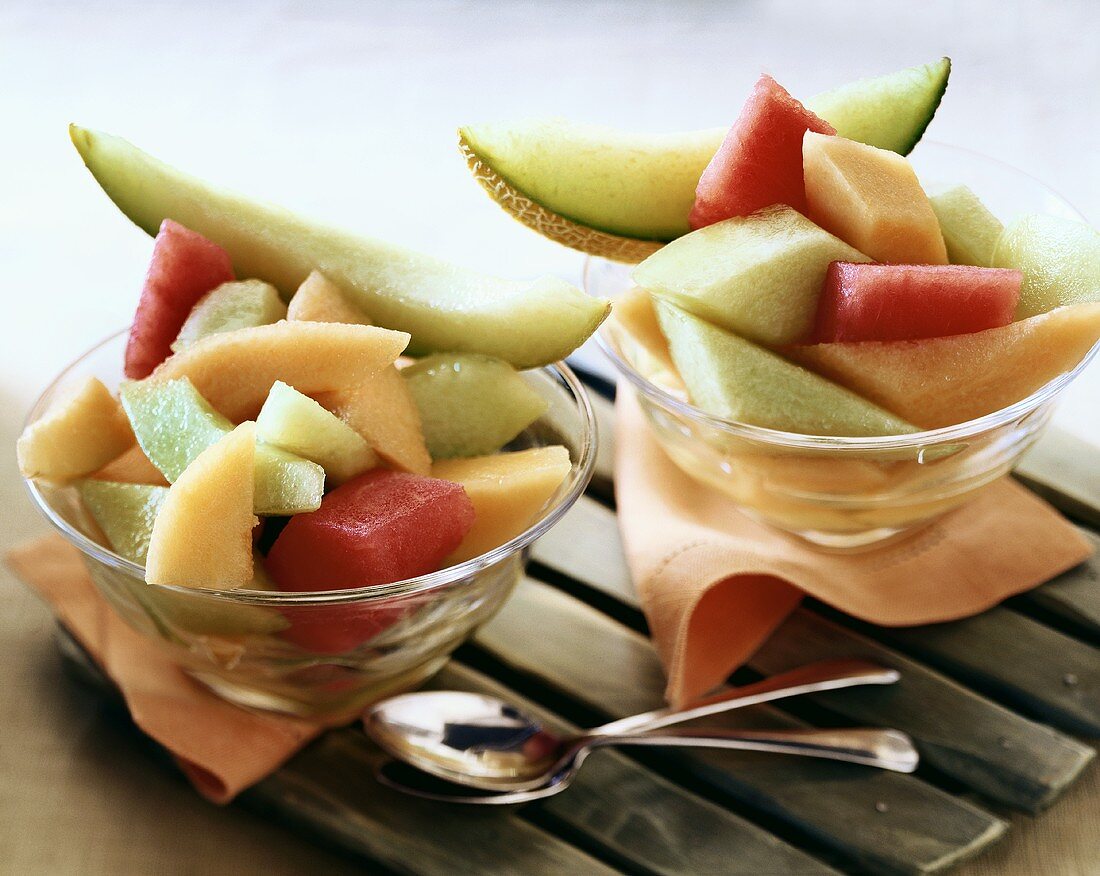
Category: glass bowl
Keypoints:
(331, 652)
(846, 493)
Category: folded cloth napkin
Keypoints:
(221, 748)
(714, 584)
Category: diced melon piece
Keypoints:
(634, 311)
(81, 431)
(470, 405)
(1060, 259)
(508, 490)
(174, 424)
(185, 266)
(872, 199)
(734, 379)
(906, 302)
(125, 513)
(234, 371)
(382, 410)
(297, 423)
(759, 276)
(231, 306)
(970, 231)
(760, 161)
(942, 381)
(202, 536)
(132, 467)
(318, 299)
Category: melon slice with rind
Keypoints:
(125, 513)
(508, 490)
(1060, 259)
(443, 306)
(81, 431)
(318, 299)
(470, 405)
(131, 467)
(735, 379)
(236, 305)
(202, 536)
(970, 231)
(758, 275)
(944, 381)
(889, 112)
(296, 423)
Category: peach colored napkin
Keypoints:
(715, 584)
(221, 748)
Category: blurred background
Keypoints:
(347, 111)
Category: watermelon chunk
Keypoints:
(861, 302)
(380, 527)
(185, 266)
(760, 161)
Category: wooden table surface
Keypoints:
(347, 110)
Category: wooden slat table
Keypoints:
(992, 702)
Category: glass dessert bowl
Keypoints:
(835, 492)
(330, 652)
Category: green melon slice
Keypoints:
(125, 513)
(442, 306)
(236, 305)
(735, 379)
(890, 112)
(969, 230)
(470, 405)
(1060, 259)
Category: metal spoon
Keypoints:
(887, 749)
(483, 742)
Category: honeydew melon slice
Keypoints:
(470, 405)
(318, 299)
(442, 306)
(620, 194)
(296, 423)
(970, 231)
(508, 490)
(943, 381)
(1060, 259)
(231, 306)
(735, 379)
(125, 513)
(202, 536)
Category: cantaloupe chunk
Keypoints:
(634, 311)
(235, 371)
(382, 410)
(318, 299)
(81, 431)
(942, 381)
(132, 467)
(508, 491)
(202, 536)
(871, 198)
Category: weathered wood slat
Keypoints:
(1072, 599)
(641, 819)
(885, 821)
(1063, 469)
(987, 747)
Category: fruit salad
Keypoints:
(272, 436)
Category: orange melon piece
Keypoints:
(132, 467)
(382, 410)
(202, 536)
(235, 371)
(942, 381)
(508, 490)
(318, 299)
(871, 198)
(634, 311)
(82, 431)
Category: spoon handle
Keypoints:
(811, 678)
(887, 749)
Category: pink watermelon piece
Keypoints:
(185, 266)
(380, 527)
(867, 302)
(760, 161)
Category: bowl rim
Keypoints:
(580, 475)
(778, 437)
